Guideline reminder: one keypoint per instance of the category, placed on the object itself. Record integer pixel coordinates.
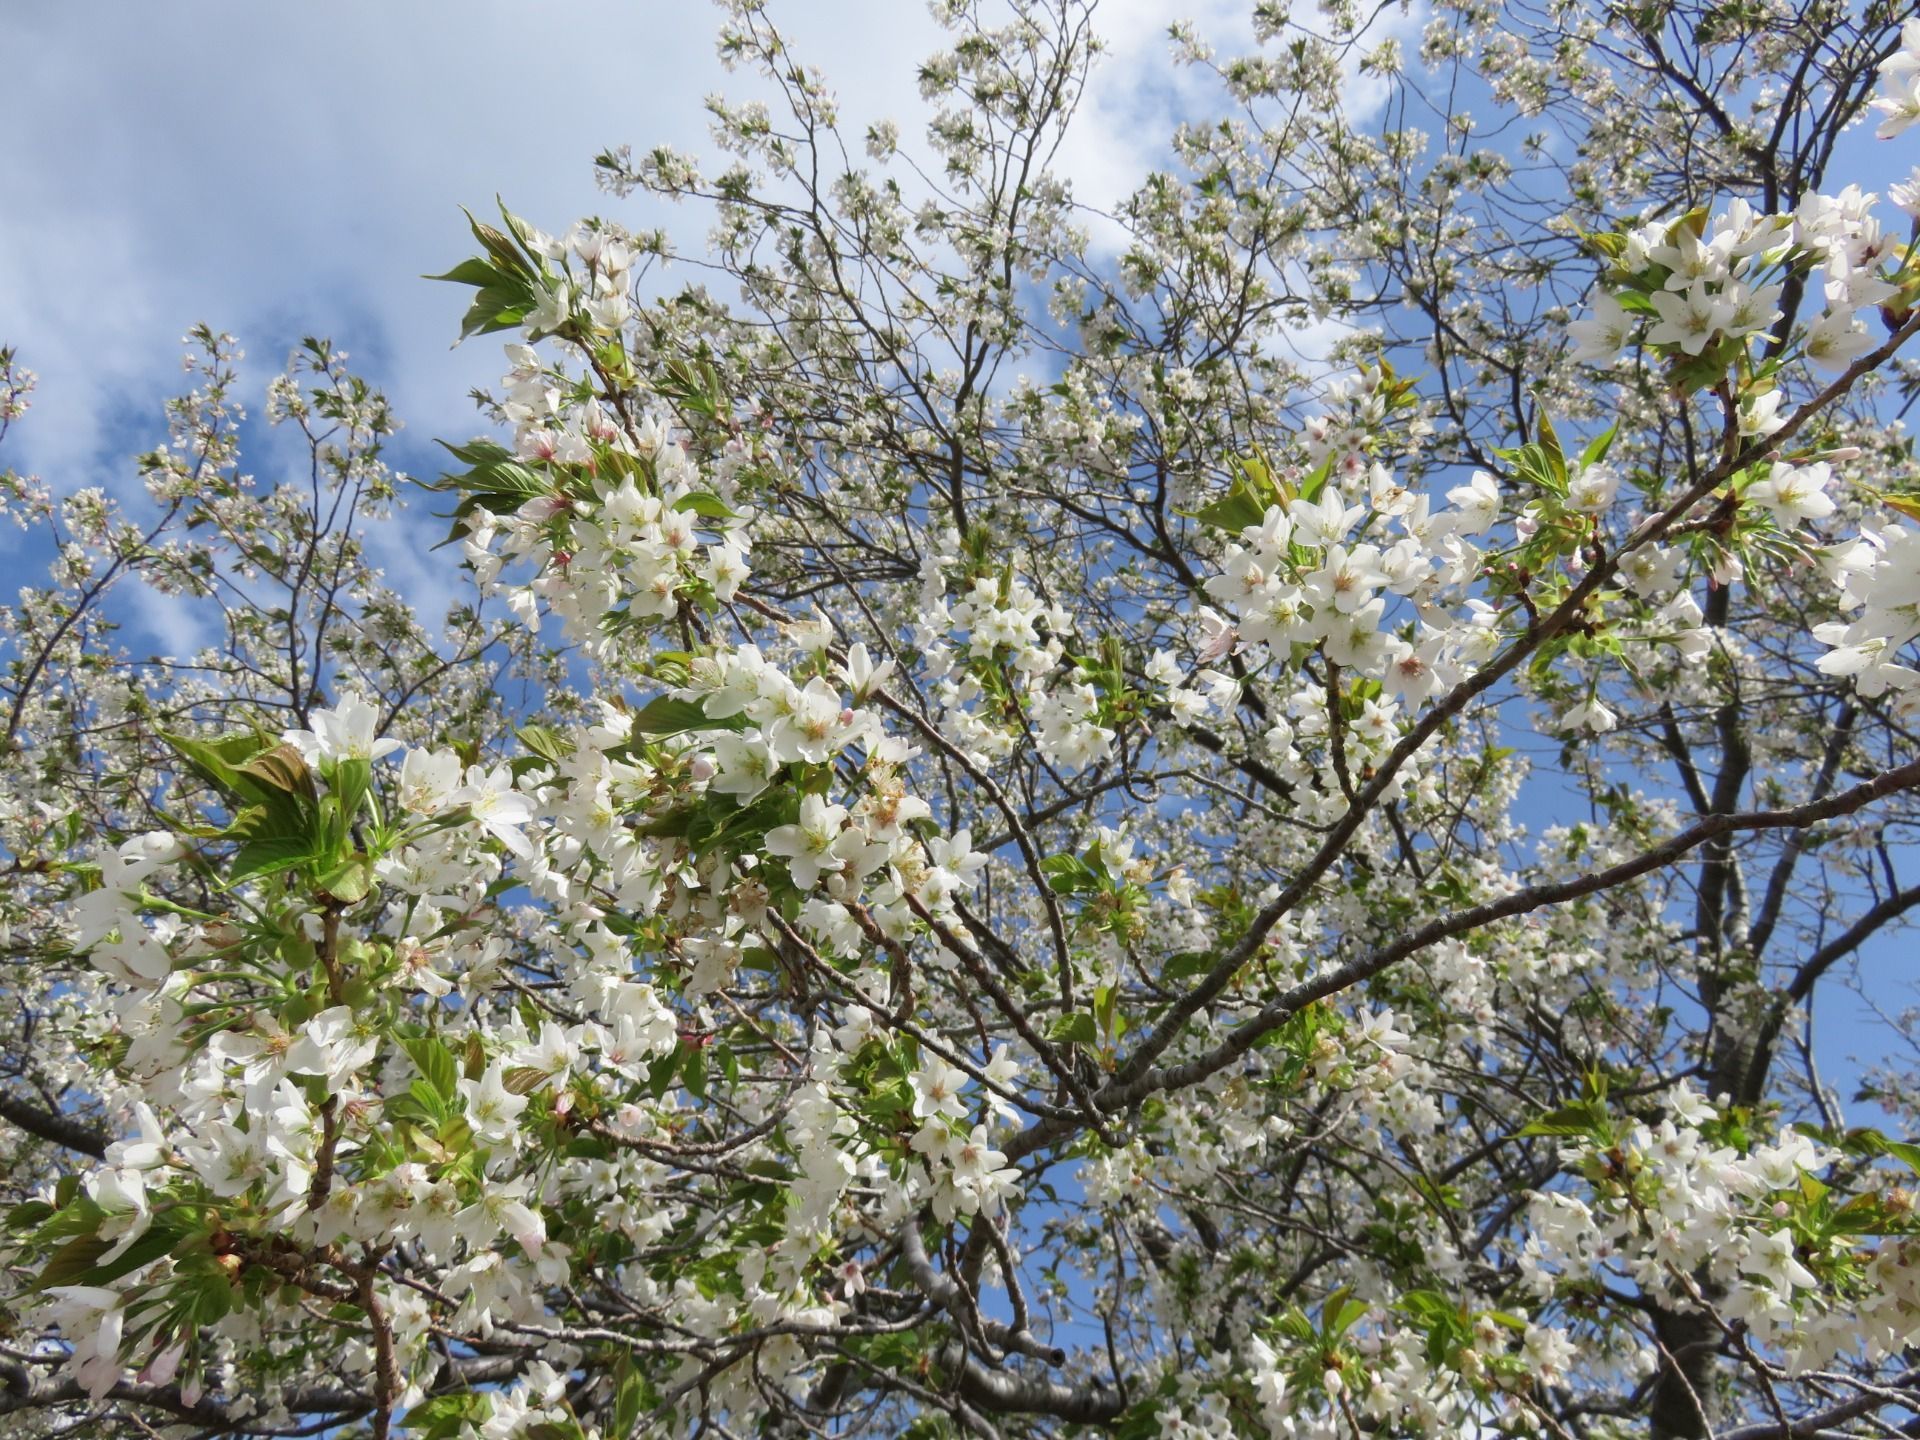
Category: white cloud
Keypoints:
(279, 170)
(1137, 96)
(177, 626)
(282, 169)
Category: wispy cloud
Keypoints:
(279, 170)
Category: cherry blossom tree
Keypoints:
(977, 856)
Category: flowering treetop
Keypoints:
(968, 865)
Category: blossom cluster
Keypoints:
(985, 865)
(1675, 1214)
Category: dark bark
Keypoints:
(63, 1130)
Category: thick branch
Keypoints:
(49, 1125)
(22, 1392)
(1126, 1091)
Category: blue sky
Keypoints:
(278, 170)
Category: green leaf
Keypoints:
(1585, 1118)
(272, 856)
(498, 307)
(416, 1105)
(1549, 441)
(446, 1417)
(660, 1074)
(675, 824)
(498, 481)
(78, 1215)
(1232, 512)
(1296, 1326)
(79, 1261)
(1428, 1306)
(1076, 1027)
(506, 255)
(429, 1100)
(29, 1214)
(629, 1395)
(1598, 447)
(1069, 875)
(280, 769)
(719, 822)
(272, 792)
(523, 1079)
(1871, 1215)
(665, 715)
(72, 1263)
(1311, 487)
(1697, 372)
(544, 742)
(215, 761)
(472, 271)
(1907, 505)
(711, 507)
(348, 782)
(349, 881)
(1187, 965)
(1606, 244)
(1246, 500)
(693, 1071)
(435, 1063)
(1340, 1313)
(1533, 465)
(480, 452)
